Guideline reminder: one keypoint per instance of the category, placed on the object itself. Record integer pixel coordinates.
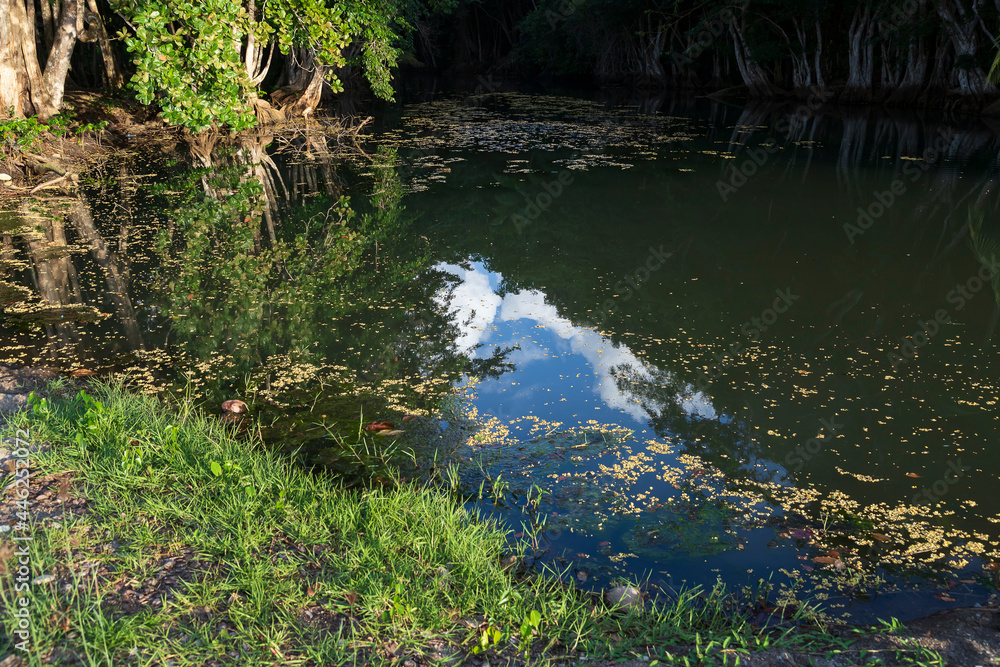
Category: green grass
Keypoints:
(272, 563)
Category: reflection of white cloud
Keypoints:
(475, 307)
(474, 304)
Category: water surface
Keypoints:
(677, 341)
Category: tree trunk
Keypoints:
(908, 90)
(801, 73)
(754, 76)
(861, 54)
(817, 59)
(937, 83)
(50, 12)
(253, 58)
(57, 66)
(113, 74)
(303, 95)
(963, 30)
(651, 46)
(20, 75)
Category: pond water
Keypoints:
(662, 338)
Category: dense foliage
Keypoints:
(195, 56)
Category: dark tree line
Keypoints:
(897, 52)
(213, 62)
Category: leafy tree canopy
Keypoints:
(190, 55)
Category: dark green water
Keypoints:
(698, 340)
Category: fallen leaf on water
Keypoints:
(880, 537)
(944, 598)
(604, 544)
(835, 554)
(81, 372)
(801, 534)
(375, 427)
(912, 474)
(992, 567)
(808, 568)
(825, 560)
(392, 433)
(581, 575)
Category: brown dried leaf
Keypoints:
(880, 537)
(64, 488)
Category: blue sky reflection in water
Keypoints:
(564, 371)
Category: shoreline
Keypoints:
(72, 497)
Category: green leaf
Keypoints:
(216, 468)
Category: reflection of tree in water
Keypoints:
(494, 365)
(725, 441)
(58, 304)
(261, 265)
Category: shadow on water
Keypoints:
(661, 336)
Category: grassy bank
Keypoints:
(162, 536)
